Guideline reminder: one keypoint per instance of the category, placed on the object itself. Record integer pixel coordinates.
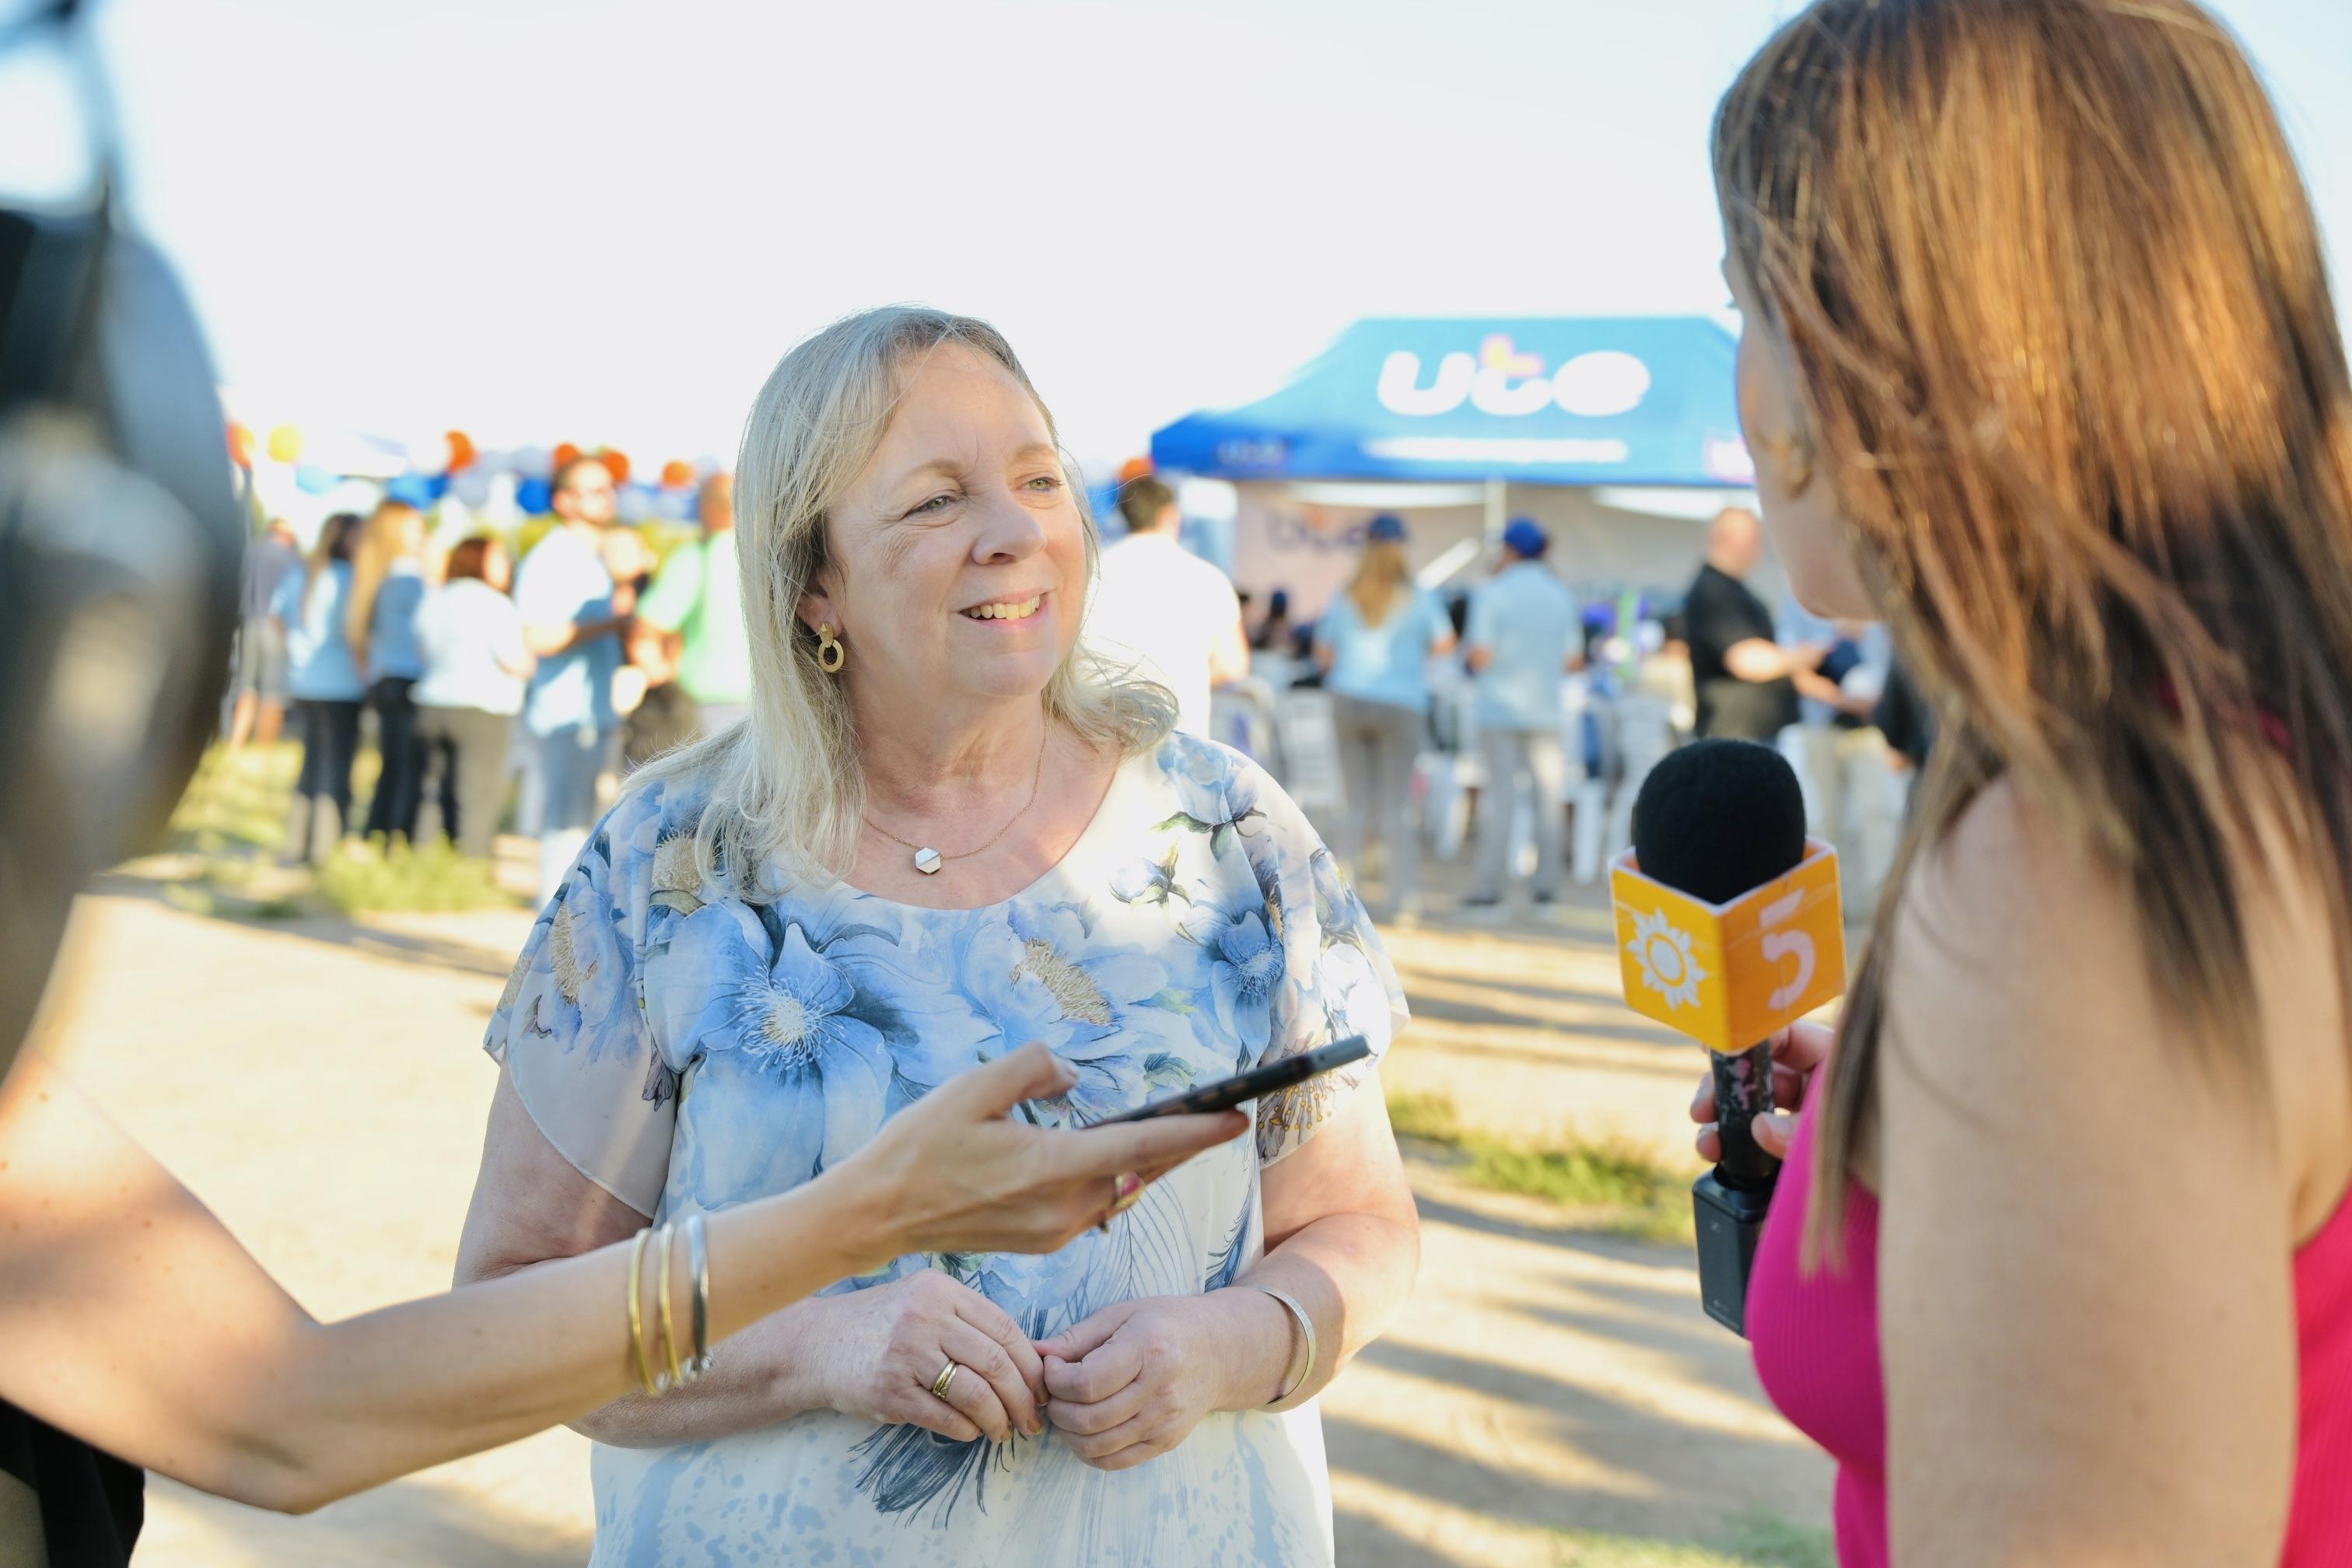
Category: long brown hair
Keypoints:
(2051, 298)
(1382, 576)
(470, 557)
(334, 543)
(383, 541)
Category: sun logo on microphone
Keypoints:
(1664, 956)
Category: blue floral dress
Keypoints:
(688, 1048)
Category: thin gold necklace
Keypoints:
(928, 860)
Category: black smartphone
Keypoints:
(1242, 1087)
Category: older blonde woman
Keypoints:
(945, 833)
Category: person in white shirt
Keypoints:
(1166, 611)
(476, 665)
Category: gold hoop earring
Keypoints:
(829, 651)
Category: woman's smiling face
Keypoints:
(958, 558)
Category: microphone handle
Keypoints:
(1743, 1091)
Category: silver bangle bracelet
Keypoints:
(698, 1259)
(1306, 1328)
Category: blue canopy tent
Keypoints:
(1618, 433)
(1644, 401)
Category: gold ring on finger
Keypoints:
(1124, 1192)
(947, 1376)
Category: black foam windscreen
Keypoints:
(1717, 817)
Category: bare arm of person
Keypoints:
(2088, 1362)
(1761, 659)
(850, 1352)
(136, 1322)
(1343, 1239)
(1229, 659)
(1480, 659)
(546, 642)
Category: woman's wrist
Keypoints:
(1257, 1347)
(863, 1217)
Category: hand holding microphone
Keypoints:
(1728, 929)
(1798, 1053)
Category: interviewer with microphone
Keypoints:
(2039, 366)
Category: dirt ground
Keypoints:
(317, 1083)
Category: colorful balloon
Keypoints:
(677, 474)
(286, 444)
(241, 445)
(471, 485)
(310, 479)
(616, 463)
(564, 452)
(419, 491)
(462, 451)
(536, 497)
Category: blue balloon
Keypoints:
(535, 497)
(410, 490)
(314, 481)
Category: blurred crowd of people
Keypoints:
(588, 658)
(1516, 696)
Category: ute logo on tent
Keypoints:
(1500, 379)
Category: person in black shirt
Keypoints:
(1745, 689)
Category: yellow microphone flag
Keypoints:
(1730, 975)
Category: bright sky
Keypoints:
(604, 223)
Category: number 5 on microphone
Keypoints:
(1731, 974)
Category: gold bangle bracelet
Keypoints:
(637, 1311)
(668, 1323)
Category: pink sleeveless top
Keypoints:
(1816, 1346)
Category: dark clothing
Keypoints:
(330, 739)
(465, 751)
(392, 812)
(1905, 717)
(1722, 613)
(89, 1505)
(667, 718)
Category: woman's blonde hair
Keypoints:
(1382, 577)
(384, 539)
(786, 789)
(2053, 301)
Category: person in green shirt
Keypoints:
(695, 604)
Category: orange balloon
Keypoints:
(615, 464)
(678, 473)
(286, 444)
(241, 445)
(565, 452)
(1134, 469)
(461, 450)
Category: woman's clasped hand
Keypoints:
(1130, 1382)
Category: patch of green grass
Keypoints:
(233, 819)
(237, 801)
(1757, 1539)
(435, 878)
(1764, 1537)
(1615, 1184)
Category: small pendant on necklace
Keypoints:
(927, 861)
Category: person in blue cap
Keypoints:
(1523, 628)
(1374, 644)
